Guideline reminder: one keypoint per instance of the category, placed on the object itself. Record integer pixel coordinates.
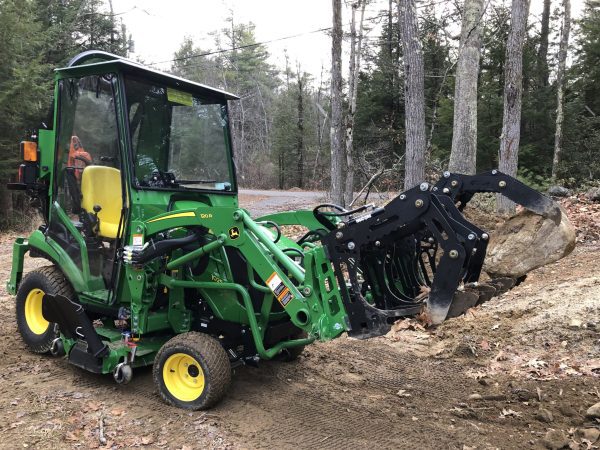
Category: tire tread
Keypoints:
(216, 381)
(56, 284)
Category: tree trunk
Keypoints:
(336, 129)
(513, 92)
(414, 94)
(542, 55)
(393, 61)
(281, 163)
(320, 128)
(560, 85)
(300, 131)
(353, 72)
(463, 157)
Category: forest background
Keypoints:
(282, 126)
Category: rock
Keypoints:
(475, 397)
(589, 434)
(567, 411)
(527, 241)
(575, 323)
(523, 394)
(593, 411)
(484, 381)
(593, 194)
(555, 440)
(543, 415)
(558, 191)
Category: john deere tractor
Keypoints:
(152, 261)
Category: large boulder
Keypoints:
(593, 194)
(527, 241)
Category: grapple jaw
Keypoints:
(461, 188)
(418, 254)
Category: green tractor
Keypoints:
(152, 261)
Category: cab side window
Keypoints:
(87, 134)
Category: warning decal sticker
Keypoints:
(183, 98)
(280, 291)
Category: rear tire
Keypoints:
(37, 332)
(192, 371)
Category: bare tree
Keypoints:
(336, 131)
(321, 115)
(560, 85)
(463, 157)
(300, 127)
(414, 94)
(542, 54)
(513, 92)
(353, 72)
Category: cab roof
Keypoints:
(132, 68)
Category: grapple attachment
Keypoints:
(419, 254)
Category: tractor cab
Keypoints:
(128, 143)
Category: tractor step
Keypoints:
(80, 357)
(74, 324)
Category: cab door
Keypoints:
(88, 178)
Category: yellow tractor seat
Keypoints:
(101, 185)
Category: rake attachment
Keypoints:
(419, 254)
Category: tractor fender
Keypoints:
(45, 247)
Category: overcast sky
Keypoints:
(159, 27)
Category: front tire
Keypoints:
(192, 371)
(36, 331)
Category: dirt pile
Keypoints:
(585, 216)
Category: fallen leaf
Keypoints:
(71, 436)
(535, 363)
(424, 293)
(507, 412)
(94, 406)
(500, 356)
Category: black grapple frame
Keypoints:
(419, 254)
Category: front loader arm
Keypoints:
(297, 286)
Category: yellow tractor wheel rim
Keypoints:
(183, 377)
(33, 312)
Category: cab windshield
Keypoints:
(179, 139)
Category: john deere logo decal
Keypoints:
(234, 233)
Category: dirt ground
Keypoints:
(517, 372)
